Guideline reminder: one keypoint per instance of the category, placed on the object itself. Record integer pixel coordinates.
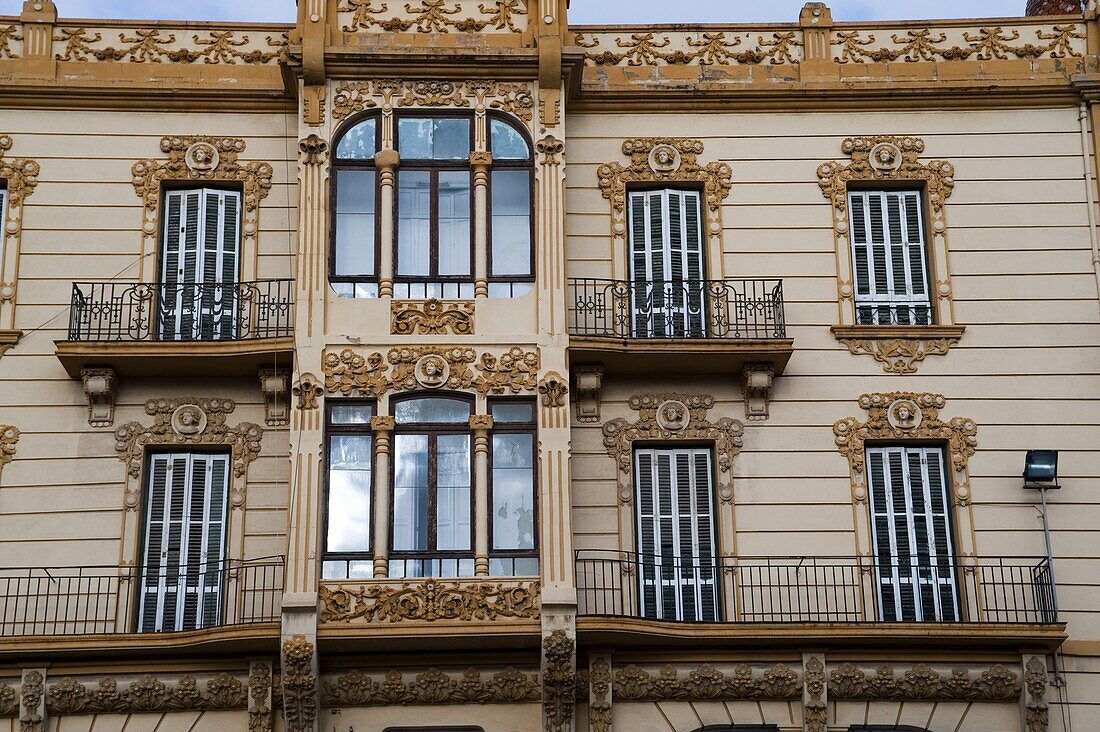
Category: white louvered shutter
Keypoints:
(677, 572)
(181, 576)
(666, 256)
(889, 258)
(911, 516)
(219, 263)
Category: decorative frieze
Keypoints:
(559, 681)
(634, 683)
(223, 692)
(434, 16)
(898, 355)
(299, 685)
(355, 96)
(154, 45)
(431, 317)
(358, 689)
(716, 48)
(350, 373)
(987, 43)
(922, 683)
(429, 601)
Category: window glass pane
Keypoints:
(517, 567)
(511, 222)
(414, 222)
(352, 413)
(334, 570)
(355, 196)
(425, 138)
(508, 143)
(359, 142)
(454, 223)
(513, 413)
(349, 483)
(452, 492)
(410, 493)
(414, 138)
(452, 139)
(432, 411)
(513, 491)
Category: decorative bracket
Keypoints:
(100, 386)
(589, 381)
(757, 380)
(275, 385)
(899, 348)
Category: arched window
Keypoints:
(444, 186)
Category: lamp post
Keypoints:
(1041, 474)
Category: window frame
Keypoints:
(433, 430)
(347, 429)
(339, 164)
(515, 428)
(509, 165)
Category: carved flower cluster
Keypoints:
(924, 683)
(634, 683)
(146, 694)
(430, 601)
(357, 689)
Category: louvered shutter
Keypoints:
(889, 258)
(910, 512)
(666, 255)
(181, 576)
(218, 273)
(677, 573)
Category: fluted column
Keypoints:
(387, 161)
(481, 424)
(383, 429)
(480, 161)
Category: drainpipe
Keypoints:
(1090, 192)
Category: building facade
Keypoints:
(441, 366)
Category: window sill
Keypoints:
(899, 348)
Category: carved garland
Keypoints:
(224, 692)
(990, 42)
(887, 158)
(430, 601)
(355, 96)
(663, 417)
(559, 681)
(647, 49)
(431, 317)
(357, 689)
(299, 685)
(434, 16)
(350, 373)
(634, 683)
(148, 45)
(20, 176)
(923, 683)
(185, 422)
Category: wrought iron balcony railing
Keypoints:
(127, 311)
(70, 601)
(674, 309)
(815, 590)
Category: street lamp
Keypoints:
(1041, 474)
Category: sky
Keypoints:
(581, 11)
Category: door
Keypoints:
(199, 265)
(182, 573)
(668, 291)
(677, 570)
(910, 512)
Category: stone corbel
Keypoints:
(589, 381)
(9, 338)
(100, 386)
(275, 385)
(756, 386)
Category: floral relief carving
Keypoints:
(429, 601)
(31, 691)
(434, 16)
(899, 355)
(259, 692)
(817, 711)
(9, 436)
(402, 369)
(554, 388)
(1037, 718)
(990, 42)
(355, 96)
(307, 391)
(314, 150)
(9, 703)
(150, 46)
(599, 709)
(223, 692)
(299, 685)
(559, 681)
(706, 49)
(21, 176)
(358, 689)
(717, 177)
(923, 683)
(431, 317)
(634, 683)
(551, 149)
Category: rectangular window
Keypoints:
(434, 215)
(200, 265)
(182, 576)
(889, 258)
(678, 572)
(510, 254)
(355, 224)
(513, 460)
(911, 516)
(348, 514)
(666, 259)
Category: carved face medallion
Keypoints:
(673, 416)
(904, 415)
(885, 157)
(201, 157)
(188, 419)
(432, 371)
(664, 159)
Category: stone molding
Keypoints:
(260, 703)
(20, 176)
(351, 373)
(517, 99)
(431, 317)
(358, 689)
(314, 150)
(429, 601)
(275, 387)
(222, 692)
(633, 683)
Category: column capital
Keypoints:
(481, 422)
(481, 159)
(387, 159)
(382, 423)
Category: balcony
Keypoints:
(150, 329)
(719, 324)
(125, 607)
(988, 601)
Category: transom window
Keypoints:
(437, 247)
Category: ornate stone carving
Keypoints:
(716, 177)
(355, 96)
(429, 601)
(352, 97)
(923, 683)
(435, 16)
(99, 389)
(890, 417)
(314, 150)
(817, 711)
(259, 698)
(554, 390)
(711, 49)
(307, 391)
(402, 369)
(925, 44)
(357, 689)
(551, 149)
(299, 685)
(31, 692)
(9, 435)
(599, 707)
(656, 422)
(589, 381)
(223, 692)
(756, 387)
(185, 422)
(431, 317)
(149, 46)
(559, 677)
(21, 176)
(634, 683)
(9, 703)
(9, 33)
(1037, 717)
(897, 355)
(275, 385)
